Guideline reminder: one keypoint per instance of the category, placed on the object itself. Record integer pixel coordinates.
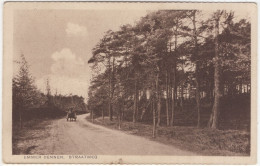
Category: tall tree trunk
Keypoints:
(138, 101)
(110, 89)
(174, 86)
(173, 97)
(198, 101)
(20, 118)
(122, 114)
(110, 110)
(182, 85)
(181, 104)
(221, 82)
(175, 90)
(170, 97)
(213, 123)
(135, 100)
(120, 120)
(158, 100)
(167, 99)
(197, 81)
(154, 119)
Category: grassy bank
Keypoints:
(25, 140)
(203, 141)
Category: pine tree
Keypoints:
(24, 90)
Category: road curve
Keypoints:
(84, 138)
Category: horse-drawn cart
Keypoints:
(71, 116)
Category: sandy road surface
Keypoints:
(82, 137)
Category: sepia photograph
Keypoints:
(129, 83)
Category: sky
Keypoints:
(57, 44)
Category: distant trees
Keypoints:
(169, 57)
(64, 102)
(27, 99)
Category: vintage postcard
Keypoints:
(129, 83)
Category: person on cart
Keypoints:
(71, 115)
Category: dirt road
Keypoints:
(83, 137)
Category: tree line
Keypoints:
(28, 102)
(167, 58)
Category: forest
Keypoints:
(174, 68)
